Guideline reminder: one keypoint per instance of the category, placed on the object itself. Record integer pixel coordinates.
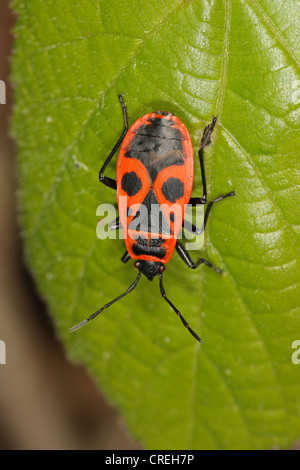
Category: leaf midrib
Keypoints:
(219, 107)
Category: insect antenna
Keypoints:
(130, 288)
(163, 293)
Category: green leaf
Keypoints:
(238, 60)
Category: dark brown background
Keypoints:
(45, 402)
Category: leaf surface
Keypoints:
(238, 60)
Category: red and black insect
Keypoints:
(155, 170)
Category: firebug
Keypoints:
(155, 171)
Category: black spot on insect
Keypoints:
(131, 183)
(149, 241)
(157, 251)
(158, 136)
(150, 218)
(172, 217)
(173, 189)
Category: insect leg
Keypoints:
(207, 212)
(111, 183)
(210, 204)
(204, 142)
(191, 227)
(185, 256)
(130, 288)
(125, 257)
(163, 293)
(116, 224)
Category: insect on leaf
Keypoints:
(239, 61)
